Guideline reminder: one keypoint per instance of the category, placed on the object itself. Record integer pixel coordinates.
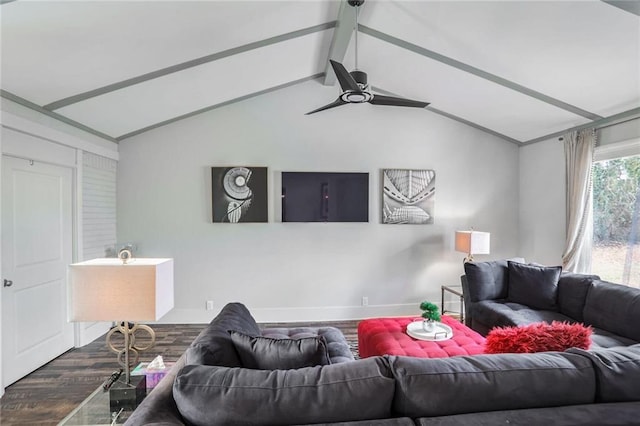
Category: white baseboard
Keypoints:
(301, 314)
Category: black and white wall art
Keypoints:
(239, 194)
(408, 196)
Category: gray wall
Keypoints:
(312, 271)
(542, 202)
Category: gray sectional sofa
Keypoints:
(211, 385)
(511, 293)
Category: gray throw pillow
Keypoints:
(265, 353)
(348, 391)
(488, 280)
(534, 286)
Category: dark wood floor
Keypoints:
(50, 393)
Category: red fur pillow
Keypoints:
(538, 337)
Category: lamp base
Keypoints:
(128, 395)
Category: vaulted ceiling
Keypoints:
(522, 70)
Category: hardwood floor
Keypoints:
(50, 393)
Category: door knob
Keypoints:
(8, 283)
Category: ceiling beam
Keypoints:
(478, 72)
(220, 105)
(631, 6)
(603, 122)
(456, 118)
(474, 125)
(185, 65)
(341, 37)
(28, 104)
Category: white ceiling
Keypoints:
(525, 70)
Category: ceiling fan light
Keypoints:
(356, 97)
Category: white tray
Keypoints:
(440, 332)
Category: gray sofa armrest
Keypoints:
(613, 307)
(213, 346)
(467, 300)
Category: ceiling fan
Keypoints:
(355, 89)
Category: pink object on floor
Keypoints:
(388, 336)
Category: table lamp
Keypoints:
(123, 290)
(472, 242)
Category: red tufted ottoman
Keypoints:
(388, 336)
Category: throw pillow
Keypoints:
(487, 280)
(534, 286)
(265, 353)
(538, 337)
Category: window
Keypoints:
(616, 219)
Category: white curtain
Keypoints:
(578, 149)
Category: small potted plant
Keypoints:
(431, 315)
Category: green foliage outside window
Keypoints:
(616, 201)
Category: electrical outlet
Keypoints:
(209, 305)
(365, 301)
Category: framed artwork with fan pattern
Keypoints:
(408, 196)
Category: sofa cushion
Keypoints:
(350, 391)
(487, 280)
(265, 353)
(573, 415)
(535, 286)
(617, 371)
(605, 339)
(572, 294)
(501, 313)
(437, 387)
(615, 308)
(393, 421)
(337, 346)
(538, 337)
(213, 346)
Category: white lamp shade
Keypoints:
(473, 242)
(108, 290)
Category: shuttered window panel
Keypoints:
(98, 205)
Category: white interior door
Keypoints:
(37, 236)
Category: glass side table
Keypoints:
(96, 410)
(456, 290)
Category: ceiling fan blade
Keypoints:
(344, 78)
(333, 104)
(390, 100)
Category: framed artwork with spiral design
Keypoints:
(239, 194)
